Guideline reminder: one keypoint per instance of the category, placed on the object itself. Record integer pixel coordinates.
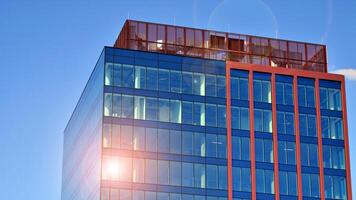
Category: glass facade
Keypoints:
(155, 126)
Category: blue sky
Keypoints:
(49, 48)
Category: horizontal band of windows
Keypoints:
(335, 172)
(284, 137)
(263, 135)
(264, 165)
(311, 170)
(331, 113)
(306, 110)
(287, 108)
(309, 140)
(265, 196)
(333, 142)
(284, 79)
(288, 197)
(306, 81)
(287, 168)
(262, 105)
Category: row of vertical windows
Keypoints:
(166, 141)
(331, 127)
(307, 125)
(309, 154)
(240, 118)
(124, 194)
(262, 91)
(239, 88)
(285, 123)
(287, 183)
(139, 170)
(264, 150)
(335, 187)
(310, 185)
(330, 99)
(263, 120)
(241, 179)
(141, 77)
(165, 110)
(286, 152)
(240, 148)
(284, 93)
(264, 181)
(333, 157)
(306, 96)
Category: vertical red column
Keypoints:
(297, 137)
(275, 136)
(346, 140)
(228, 133)
(320, 140)
(252, 137)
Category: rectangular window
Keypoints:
(187, 116)
(176, 81)
(140, 107)
(310, 185)
(187, 143)
(127, 106)
(241, 179)
(139, 139)
(263, 120)
(106, 135)
(307, 125)
(151, 78)
(306, 96)
(262, 91)
(175, 173)
(175, 142)
(199, 144)
(115, 136)
(264, 181)
(286, 152)
(175, 111)
(222, 177)
(264, 150)
(309, 154)
(140, 77)
(151, 171)
(199, 114)
(285, 123)
(330, 99)
(163, 172)
(116, 105)
(117, 75)
(335, 187)
(221, 86)
(107, 104)
(222, 150)
(163, 140)
(199, 175)
(128, 76)
(333, 157)
(212, 177)
(211, 145)
(288, 183)
(108, 73)
(284, 93)
(187, 174)
(211, 115)
(151, 112)
(151, 139)
(187, 83)
(199, 84)
(210, 85)
(222, 116)
(126, 137)
(138, 170)
(163, 80)
(163, 110)
(332, 127)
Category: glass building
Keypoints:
(176, 113)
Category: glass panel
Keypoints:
(246, 180)
(221, 86)
(222, 177)
(117, 75)
(127, 106)
(187, 143)
(310, 97)
(138, 171)
(138, 195)
(258, 120)
(243, 88)
(212, 176)
(211, 117)
(126, 137)
(257, 90)
(115, 140)
(199, 144)
(163, 110)
(187, 83)
(267, 121)
(163, 140)
(210, 85)
(139, 139)
(234, 84)
(221, 116)
(301, 96)
(323, 98)
(151, 171)
(151, 109)
(175, 112)
(235, 117)
(288, 94)
(199, 114)
(163, 80)
(175, 175)
(128, 76)
(222, 146)
(211, 145)
(279, 93)
(175, 141)
(139, 109)
(108, 104)
(245, 118)
(151, 139)
(199, 175)
(187, 116)
(266, 91)
(187, 174)
(116, 107)
(176, 81)
(199, 84)
(151, 78)
(140, 77)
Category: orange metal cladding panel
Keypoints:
(320, 140)
(297, 73)
(275, 137)
(229, 137)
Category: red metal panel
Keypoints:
(228, 134)
(252, 134)
(346, 140)
(275, 137)
(297, 137)
(320, 139)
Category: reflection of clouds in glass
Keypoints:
(238, 13)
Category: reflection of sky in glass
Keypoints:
(48, 50)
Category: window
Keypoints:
(221, 116)
(240, 148)
(239, 88)
(221, 86)
(151, 78)
(199, 84)
(151, 109)
(115, 136)
(309, 154)
(211, 145)
(176, 81)
(286, 152)
(241, 179)
(199, 114)
(199, 175)
(139, 139)
(222, 177)
(163, 110)
(108, 73)
(175, 173)
(106, 135)
(263, 120)
(199, 144)
(222, 150)
(187, 174)
(139, 109)
(187, 116)
(284, 93)
(285, 123)
(163, 80)
(210, 85)
(212, 180)
(288, 183)
(151, 139)
(128, 76)
(138, 170)
(175, 142)
(264, 181)
(264, 150)
(331, 127)
(127, 106)
(107, 104)
(335, 187)
(126, 137)
(175, 111)
(187, 142)
(330, 99)
(140, 77)
(240, 118)
(211, 116)
(310, 185)
(151, 171)
(262, 91)
(187, 83)
(163, 140)
(333, 157)
(116, 105)
(306, 96)
(307, 125)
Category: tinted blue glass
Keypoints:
(221, 116)
(221, 86)
(269, 178)
(305, 185)
(280, 123)
(187, 143)
(314, 180)
(311, 125)
(236, 178)
(187, 116)
(328, 186)
(163, 172)
(245, 148)
(267, 121)
(109, 74)
(151, 139)
(199, 144)
(151, 108)
(198, 84)
(234, 82)
(199, 175)
(222, 177)
(283, 186)
(292, 183)
(212, 176)
(162, 196)
(327, 156)
(163, 110)
(151, 78)
(243, 88)
(187, 83)
(259, 150)
(246, 179)
(127, 106)
(301, 96)
(174, 196)
(139, 139)
(290, 150)
(140, 77)
(117, 75)
(282, 156)
(266, 91)
(211, 115)
(288, 94)
(310, 96)
(176, 81)
(304, 154)
(257, 90)
(303, 129)
(313, 155)
(235, 117)
(325, 127)
(128, 76)
(245, 118)
(221, 146)
(116, 105)
(187, 174)
(258, 120)
(323, 98)
(260, 182)
(199, 114)
(289, 120)
(175, 142)
(175, 173)
(236, 148)
(279, 93)
(163, 140)
(210, 85)
(163, 80)
(211, 145)
(268, 151)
